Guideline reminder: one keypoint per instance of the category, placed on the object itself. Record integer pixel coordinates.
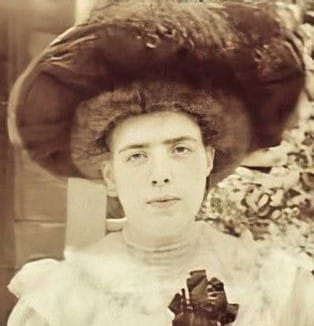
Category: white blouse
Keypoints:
(113, 282)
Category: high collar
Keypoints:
(165, 260)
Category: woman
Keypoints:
(162, 101)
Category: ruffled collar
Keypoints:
(117, 264)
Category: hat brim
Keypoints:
(189, 42)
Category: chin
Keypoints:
(168, 223)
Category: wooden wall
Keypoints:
(39, 198)
(6, 200)
(33, 202)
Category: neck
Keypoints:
(159, 241)
(164, 257)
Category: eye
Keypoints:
(136, 157)
(181, 150)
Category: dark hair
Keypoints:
(98, 116)
(204, 106)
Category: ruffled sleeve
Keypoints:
(288, 289)
(23, 315)
(55, 293)
(28, 279)
(299, 309)
(30, 276)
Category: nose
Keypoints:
(160, 173)
(161, 182)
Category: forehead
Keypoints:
(154, 128)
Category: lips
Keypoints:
(163, 202)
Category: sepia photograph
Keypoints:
(157, 162)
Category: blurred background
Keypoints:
(272, 194)
(32, 202)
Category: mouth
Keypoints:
(163, 202)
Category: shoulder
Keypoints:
(33, 286)
(279, 285)
(288, 287)
(31, 275)
(47, 289)
(236, 253)
(300, 304)
(214, 234)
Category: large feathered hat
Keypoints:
(233, 66)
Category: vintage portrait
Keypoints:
(157, 163)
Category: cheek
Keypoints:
(193, 181)
(129, 194)
(194, 171)
(128, 181)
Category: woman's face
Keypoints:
(158, 169)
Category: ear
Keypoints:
(108, 176)
(210, 155)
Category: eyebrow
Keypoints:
(165, 142)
